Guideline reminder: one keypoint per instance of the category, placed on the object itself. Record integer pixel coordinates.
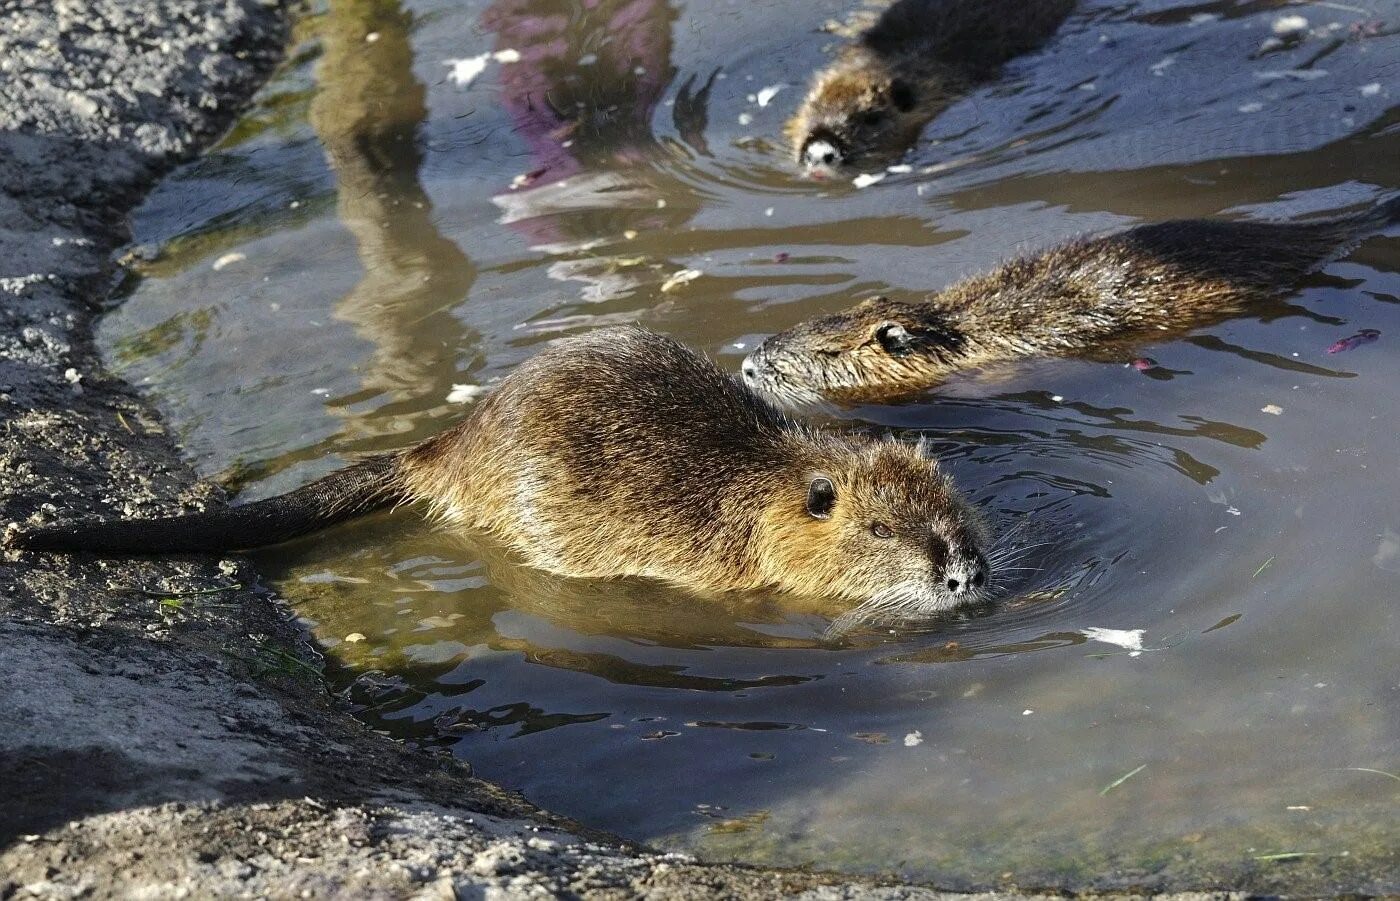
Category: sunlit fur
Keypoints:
(919, 57)
(622, 453)
(1084, 297)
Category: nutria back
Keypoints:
(1143, 284)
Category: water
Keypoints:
(355, 248)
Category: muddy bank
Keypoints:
(163, 730)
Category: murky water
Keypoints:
(374, 233)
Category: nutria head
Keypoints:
(874, 351)
(877, 523)
(856, 113)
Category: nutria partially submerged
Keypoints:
(622, 453)
(1143, 284)
(920, 56)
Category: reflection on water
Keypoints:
(1190, 680)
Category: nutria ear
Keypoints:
(902, 95)
(821, 498)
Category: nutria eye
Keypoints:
(881, 530)
(821, 498)
(871, 117)
(894, 338)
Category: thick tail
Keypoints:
(339, 496)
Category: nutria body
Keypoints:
(1143, 284)
(622, 453)
(920, 56)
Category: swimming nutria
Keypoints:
(1138, 285)
(622, 453)
(918, 57)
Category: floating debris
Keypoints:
(506, 56)
(766, 95)
(1128, 639)
(1365, 336)
(465, 394)
(1272, 409)
(1250, 107)
(526, 179)
(465, 71)
(914, 739)
(1371, 90)
(865, 180)
(1263, 566)
(229, 259)
(684, 277)
(900, 169)
(1120, 780)
(355, 637)
(1287, 25)
(781, 256)
(1294, 74)
(1160, 67)
(872, 738)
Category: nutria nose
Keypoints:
(966, 578)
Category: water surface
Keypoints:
(373, 234)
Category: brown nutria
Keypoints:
(623, 453)
(870, 105)
(1081, 297)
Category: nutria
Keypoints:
(870, 105)
(622, 453)
(1082, 297)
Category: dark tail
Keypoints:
(339, 496)
(1263, 256)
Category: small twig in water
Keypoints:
(1288, 855)
(1366, 769)
(1263, 567)
(184, 594)
(1120, 780)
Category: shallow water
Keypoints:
(373, 234)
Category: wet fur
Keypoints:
(622, 453)
(1143, 284)
(917, 59)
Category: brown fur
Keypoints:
(622, 453)
(921, 55)
(1082, 297)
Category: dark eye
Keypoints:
(894, 338)
(821, 498)
(871, 117)
(881, 530)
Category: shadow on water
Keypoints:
(376, 233)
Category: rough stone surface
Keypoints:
(164, 732)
